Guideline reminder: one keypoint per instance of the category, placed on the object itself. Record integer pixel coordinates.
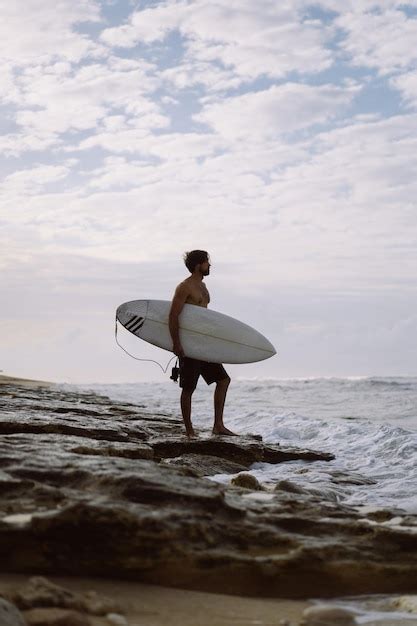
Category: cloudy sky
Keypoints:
(278, 135)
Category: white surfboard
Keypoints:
(205, 334)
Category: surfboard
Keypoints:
(205, 334)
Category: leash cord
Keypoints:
(145, 360)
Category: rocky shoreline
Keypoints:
(89, 487)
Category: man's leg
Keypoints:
(186, 411)
(189, 375)
(219, 400)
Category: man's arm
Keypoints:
(178, 301)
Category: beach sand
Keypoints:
(152, 605)
(23, 382)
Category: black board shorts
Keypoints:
(192, 369)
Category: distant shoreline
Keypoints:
(24, 382)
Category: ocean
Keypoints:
(369, 424)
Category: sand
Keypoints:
(24, 382)
(151, 605)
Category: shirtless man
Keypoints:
(193, 291)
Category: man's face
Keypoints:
(205, 268)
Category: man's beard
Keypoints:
(206, 272)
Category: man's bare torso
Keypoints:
(197, 292)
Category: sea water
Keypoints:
(369, 424)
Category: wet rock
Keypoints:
(324, 615)
(108, 434)
(242, 450)
(289, 487)
(405, 603)
(376, 513)
(141, 451)
(10, 615)
(205, 465)
(277, 454)
(350, 478)
(247, 481)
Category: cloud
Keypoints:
(407, 85)
(147, 25)
(57, 100)
(14, 144)
(335, 209)
(8, 89)
(384, 40)
(33, 179)
(256, 42)
(205, 74)
(277, 110)
(39, 33)
(352, 6)
(174, 147)
(240, 40)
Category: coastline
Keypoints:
(23, 382)
(104, 497)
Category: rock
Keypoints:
(247, 481)
(326, 615)
(277, 454)
(116, 619)
(205, 465)
(10, 615)
(242, 450)
(133, 451)
(96, 604)
(40, 592)
(350, 478)
(56, 617)
(289, 487)
(405, 603)
(377, 514)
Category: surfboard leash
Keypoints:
(175, 370)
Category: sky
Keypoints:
(279, 136)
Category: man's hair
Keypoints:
(193, 258)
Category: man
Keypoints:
(193, 291)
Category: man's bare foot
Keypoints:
(223, 431)
(191, 434)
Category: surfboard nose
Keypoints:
(268, 347)
(272, 348)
